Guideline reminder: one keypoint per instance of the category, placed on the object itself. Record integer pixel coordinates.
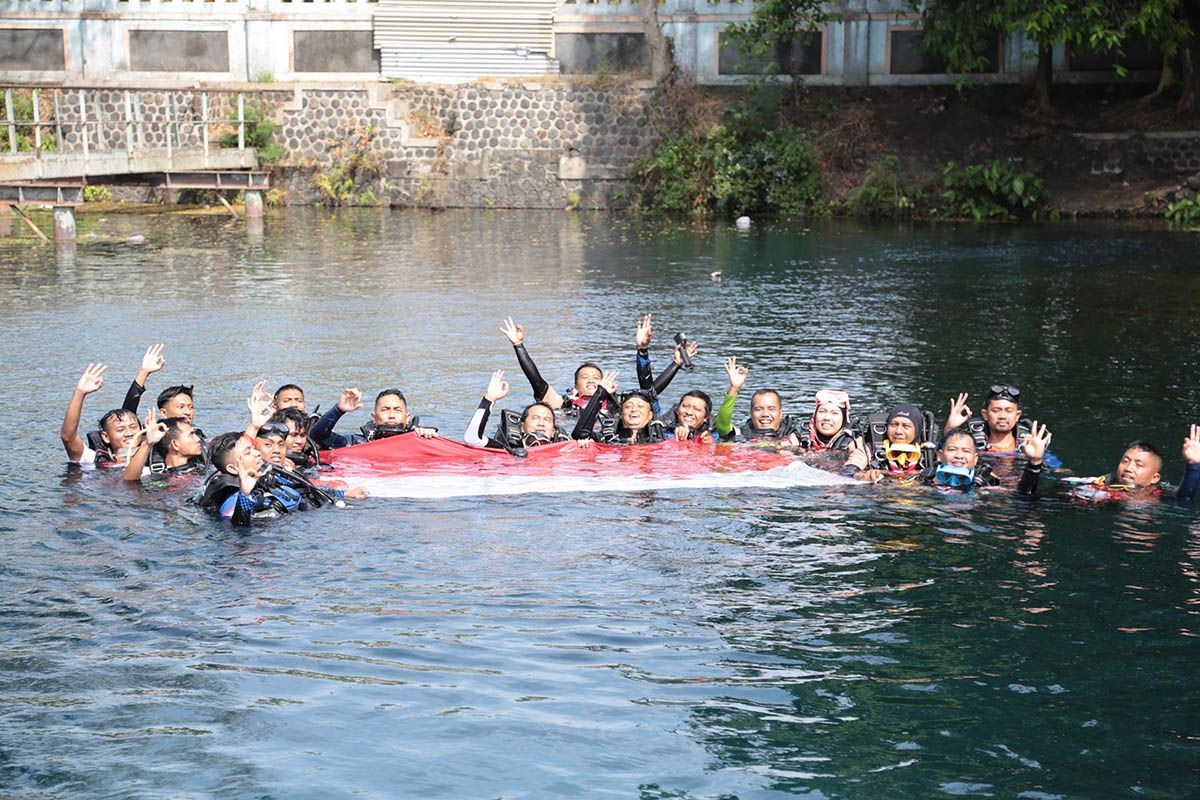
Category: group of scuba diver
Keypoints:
(273, 466)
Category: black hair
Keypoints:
(116, 413)
(1147, 447)
(386, 392)
(284, 388)
(173, 433)
(531, 406)
(294, 414)
(702, 396)
(761, 392)
(221, 448)
(955, 433)
(586, 365)
(171, 392)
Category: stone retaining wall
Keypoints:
(1172, 152)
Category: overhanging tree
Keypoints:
(776, 26)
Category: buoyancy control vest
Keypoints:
(874, 433)
(787, 426)
(613, 432)
(672, 421)
(277, 492)
(513, 439)
(842, 440)
(371, 431)
(104, 456)
(979, 432)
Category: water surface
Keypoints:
(848, 642)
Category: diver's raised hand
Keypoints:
(1038, 439)
(645, 331)
(91, 379)
(692, 349)
(1191, 446)
(153, 360)
(155, 430)
(247, 467)
(960, 412)
(609, 382)
(497, 387)
(514, 331)
(351, 400)
(260, 405)
(737, 374)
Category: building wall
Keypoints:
(282, 40)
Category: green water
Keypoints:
(856, 642)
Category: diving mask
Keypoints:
(904, 455)
(949, 475)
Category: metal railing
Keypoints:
(76, 123)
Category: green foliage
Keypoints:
(776, 24)
(263, 76)
(992, 190)
(96, 194)
(884, 193)
(354, 166)
(260, 132)
(573, 201)
(724, 173)
(1184, 212)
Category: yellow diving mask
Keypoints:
(903, 455)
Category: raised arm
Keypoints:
(322, 430)
(664, 379)
(152, 362)
(91, 380)
(723, 424)
(1034, 447)
(515, 332)
(476, 434)
(154, 433)
(1191, 474)
(586, 423)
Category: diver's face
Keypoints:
(901, 430)
(180, 405)
(390, 410)
(272, 449)
(1139, 468)
(828, 420)
(959, 452)
(290, 398)
(692, 412)
(539, 420)
(187, 442)
(1001, 415)
(635, 413)
(587, 380)
(296, 439)
(244, 455)
(120, 431)
(766, 411)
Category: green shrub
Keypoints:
(260, 132)
(992, 190)
(726, 173)
(1184, 212)
(93, 194)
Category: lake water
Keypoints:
(826, 642)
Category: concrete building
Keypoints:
(451, 41)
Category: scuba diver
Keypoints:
(829, 427)
(532, 427)
(244, 488)
(390, 418)
(691, 417)
(766, 420)
(635, 422)
(896, 445)
(112, 443)
(170, 447)
(1139, 474)
(571, 402)
(999, 429)
(290, 396)
(300, 451)
(958, 467)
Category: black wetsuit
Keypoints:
(610, 429)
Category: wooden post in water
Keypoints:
(64, 224)
(254, 204)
